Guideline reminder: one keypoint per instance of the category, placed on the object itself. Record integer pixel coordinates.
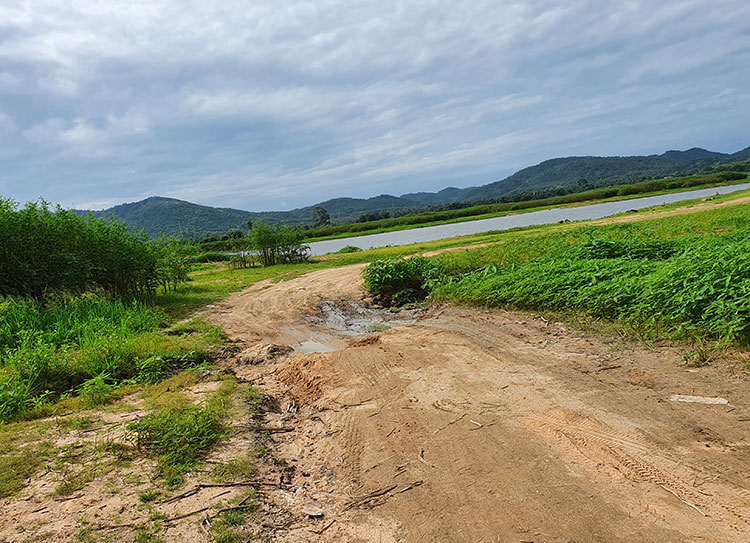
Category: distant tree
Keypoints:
(320, 216)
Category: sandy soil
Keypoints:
(471, 426)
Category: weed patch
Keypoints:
(179, 437)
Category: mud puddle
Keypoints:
(355, 318)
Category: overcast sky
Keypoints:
(277, 104)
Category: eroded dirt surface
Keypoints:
(468, 426)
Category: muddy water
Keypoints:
(547, 216)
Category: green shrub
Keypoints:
(180, 437)
(44, 249)
(97, 390)
(349, 249)
(401, 280)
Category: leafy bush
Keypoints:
(401, 280)
(278, 244)
(208, 257)
(44, 249)
(349, 249)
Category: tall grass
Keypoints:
(45, 249)
(684, 275)
(75, 346)
(689, 286)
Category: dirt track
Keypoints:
(472, 426)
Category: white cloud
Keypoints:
(83, 136)
(254, 103)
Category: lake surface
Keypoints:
(533, 218)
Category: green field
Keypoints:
(685, 276)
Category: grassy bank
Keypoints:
(685, 276)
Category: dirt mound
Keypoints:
(264, 353)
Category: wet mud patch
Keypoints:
(356, 318)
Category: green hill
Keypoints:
(157, 215)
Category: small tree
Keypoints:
(320, 216)
(278, 244)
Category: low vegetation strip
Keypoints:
(85, 345)
(525, 202)
(686, 275)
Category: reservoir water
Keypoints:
(533, 218)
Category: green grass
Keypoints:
(86, 346)
(685, 275)
(237, 469)
(18, 465)
(179, 437)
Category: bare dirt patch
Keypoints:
(469, 425)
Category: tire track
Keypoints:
(610, 453)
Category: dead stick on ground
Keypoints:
(683, 500)
(235, 508)
(362, 500)
(413, 485)
(607, 368)
(114, 526)
(201, 486)
(446, 426)
(475, 422)
(186, 515)
(342, 404)
(269, 429)
(324, 528)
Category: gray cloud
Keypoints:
(266, 105)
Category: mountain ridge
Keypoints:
(162, 215)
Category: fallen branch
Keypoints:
(270, 429)
(324, 528)
(342, 404)
(197, 488)
(607, 368)
(413, 485)
(180, 517)
(363, 500)
(114, 526)
(446, 426)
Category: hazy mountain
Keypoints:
(157, 215)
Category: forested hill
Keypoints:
(157, 215)
(594, 170)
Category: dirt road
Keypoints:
(468, 426)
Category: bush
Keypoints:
(401, 280)
(44, 249)
(349, 249)
(278, 244)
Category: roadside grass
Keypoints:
(686, 276)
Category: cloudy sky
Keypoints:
(275, 104)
